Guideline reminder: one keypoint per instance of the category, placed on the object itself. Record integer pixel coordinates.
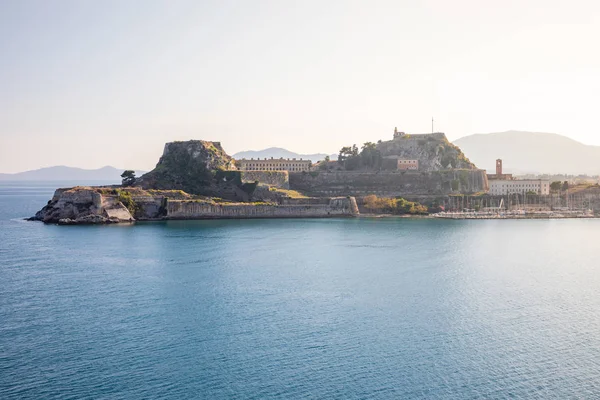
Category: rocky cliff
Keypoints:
(433, 151)
(84, 205)
(193, 167)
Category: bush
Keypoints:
(394, 206)
(125, 198)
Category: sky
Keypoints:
(93, 83)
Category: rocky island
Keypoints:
(197, 179)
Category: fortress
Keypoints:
(404, 135)
(197, 179)
(412, 165)
(409, 165)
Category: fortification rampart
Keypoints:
(280, 179)
(385, 183)
(189, 209)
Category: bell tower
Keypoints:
(498, 168)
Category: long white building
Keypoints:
(510, 186)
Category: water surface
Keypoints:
(335, 308)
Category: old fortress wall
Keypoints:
(279, 179)
(385, 183)
(318, 208)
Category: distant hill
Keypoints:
(62, 173)
(531, 152)
(277, 152)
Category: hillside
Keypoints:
(197, 167)
(433, 151)
(62, 173)
(277, 152)
(531, 152)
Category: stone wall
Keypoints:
(278, 179)
(391, 184)
(333, 207)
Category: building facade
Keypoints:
(500, 187)
(274, 164)
(404, 165)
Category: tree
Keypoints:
(565, 185)
(327, 159)
(370, 156)
(345, 152)
(556, 186)
(128, 178)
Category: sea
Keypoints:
(354, 308)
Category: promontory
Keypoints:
(197, 179)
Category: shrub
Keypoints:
(397, 206)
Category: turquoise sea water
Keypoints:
(336, 308)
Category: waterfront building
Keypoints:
(512, 186)
(501, 183)
(274, 164)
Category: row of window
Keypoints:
(521, 186)
(274, 165)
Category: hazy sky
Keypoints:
(91, 83)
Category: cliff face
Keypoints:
(83, 205)
(190, 166)
(433, 151)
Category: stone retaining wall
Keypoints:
(334, 207)
(278, 179)
(390, 184)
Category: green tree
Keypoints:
(556, 186)
(128, 178)
(345, 152)
(565, 185)
(370, 156)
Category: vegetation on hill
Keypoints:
(433, 152)
(368, 157)
(397, 206)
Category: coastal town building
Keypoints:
(511, 186)
(504, 184)
(274, 164)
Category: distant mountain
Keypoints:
(531, 152)
(277, 152)
(62, 173)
